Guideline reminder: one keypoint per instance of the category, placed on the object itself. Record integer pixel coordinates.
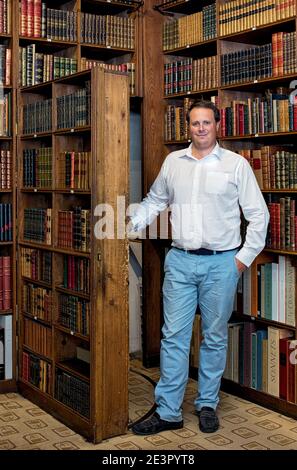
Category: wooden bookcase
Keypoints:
(8, 196)
(59, 49)
(72, 294)
(88, 32)
(256, 32)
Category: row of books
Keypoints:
(269, 60)
(127, 67)
(76, 274)
(239, 15)
(74, 110)
(37, 372)
(273, 112)
(37, 225)
(5, 16)
(74, 229)
(190, 29)
(272, 296)
(37, 301)
(38, 21)
(265, 61)
(5, 347)
(5, 169)
(234, 16)
(37, 67)
(37, 117)
(182, 76)
(108, 30)
(74, 170)
(37, 337)
(5, 222)
(36, 264)
(5, 283)
(5, 114)
(273, 168)
(5, 65)
(72, 392)
(74, 314)
(37, 167)
(262, 359)
(282, 233)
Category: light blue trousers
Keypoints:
(191, 280)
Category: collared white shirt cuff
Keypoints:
(246, 256)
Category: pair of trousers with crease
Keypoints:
(191, 280)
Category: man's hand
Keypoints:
(240, 266)
(131, 233)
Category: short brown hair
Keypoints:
(204, 104)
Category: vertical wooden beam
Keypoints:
(110, 352)
(153, 154)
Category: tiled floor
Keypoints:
(244, 425)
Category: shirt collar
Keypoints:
(217, 152)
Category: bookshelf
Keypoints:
(254, 65)
(73, 310)
(57, 39)
(48, 51)
(8, 309)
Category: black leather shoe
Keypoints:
(154, 425)
(208, 420)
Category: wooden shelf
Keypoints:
(62, 289)
(260, 136)
(36, 190)
(277, 191)
(261, 83)
(73, 334)
(48, 43)
(281, 252)
(75, 367)
(260, 34)
(182, 6)
(208, 48)
(73, 130)
(40, 246)
(60, 411)
(39, 87)
(31, 351)
(38, 135)
(38, 283)
(111, 7)
(261, 321)
(105, 51)
(7, 386)
(68, 251)
(37, 319)
(191, 93)
(6, 312)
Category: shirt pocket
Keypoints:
(216, 182)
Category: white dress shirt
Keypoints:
(205, 197)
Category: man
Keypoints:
(205, 185)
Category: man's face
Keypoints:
(203, 128)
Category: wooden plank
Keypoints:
(110, 144)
